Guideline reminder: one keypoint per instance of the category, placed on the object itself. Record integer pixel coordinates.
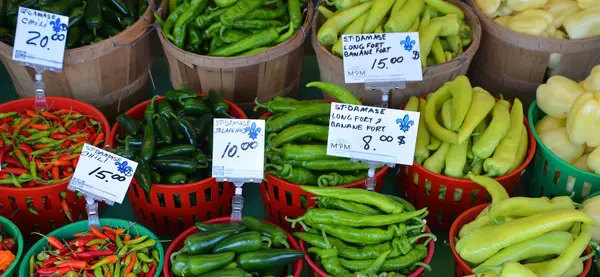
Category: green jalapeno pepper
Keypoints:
(227, 272)
(183, 150)
(277, 235)
(262, 260)
(93, 15)
(179, 30)
(143, 177)
(205, 227)
(162, 128)
(219, 106)
(195, 265)
(73, 37)
(204, 242)
(348, 206)
(242, 243)
(180, 164)
(176, 178)
(172, 19)
(76, 16)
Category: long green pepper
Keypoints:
(180, 30)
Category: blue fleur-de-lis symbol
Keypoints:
(58, 26)
(405, 123)
(124, 168)
(252, 131)
(408, 43)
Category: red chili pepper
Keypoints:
(89, 274)
(55, 242)
(82, 234)
(110, 236)
(65, 144)
(73, 264)
(31, 184)
(81, 139)
(50, 116)
(99, 139)
(58, 136)
(15, 171)
(44, 175)
(2, 152)
(65, 207)
(10, 244)
(152, 271)
(94, 254)
(20, 126)
(39, 126)
(118, 231)
(127, 237)
(30, 113)
(27, 149)
(55, 173)
(48, 167)
(94, 247)
(4, 127)
(97, 232)
(112, 247)
(81, 241)
(61, 163)
(74, 130)
(74, 162)
(69, 157)
(53, 271)
(49, 262)
(131, 263)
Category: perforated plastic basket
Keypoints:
(315, 270)
(170, 209)
(66, 232)
(460, 266)
(553, 176)
(447, 197)
(11, 230)
(45, 199)
(179, 240)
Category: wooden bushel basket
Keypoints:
(332, 67)
(274, 72)
(111, 75)
(515, 64)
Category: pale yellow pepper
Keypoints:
(560, 9)
(502, 20)
(550, 123)
(583, 120)
(531, 22)
(557, 95)
(592, 82)
(582, 163)
(489, 7)
(586, 4)
(522, 5)
(583, 24)
(558, 142)
(594, 160)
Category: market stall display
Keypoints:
(40, 151)
(356, 231)
(446, 52)
(528, 41)
(244, 49)
(296, 154)
(11, 247)
(219, 247)
(464, 130)
(540, 234)
(112, 73)
(565, 127)
(171, 139)
(80, 249)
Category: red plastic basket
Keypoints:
(45, 199)
(315, 270)
(178, 244)
(442, 212)
(460, 266)
(158, 209)
(282, 198)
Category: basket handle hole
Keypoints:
(587, 188)
(143, 214)
(193, 199)
(221, 188)
(195, 218)
(276, 192)
(545, 171)
(180, 222)
(207, 195)
(556, 177)
(47, 203)
(166, 220)
(303, 202)
(51, 223)
(221, 213)
(208, 217)
(153, 218)
(288, 198)
(135, 190)
(177, 200)
(161, 199)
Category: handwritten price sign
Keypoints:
(238, 148)
(102, 174)
(382, 57)
(372, 133)
(40, 38)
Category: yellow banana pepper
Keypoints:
(423, 136)
(480, 107)
(550, 123)
(456, 159)
(583, 24)
(522, 150)
(583, 120)
(582, 163)
(506, 152)
(522, 5)
(489, 7)
(592, 82)
(487, 141)
(560, 9)
(462, 95)
(531, 22)
(502, 20)
(447, 113)
(436, 162)
(594, 160)
(586, 4)
(504, 10)
(556, 96)
(589, 149)
(413, 104)
(558, 142)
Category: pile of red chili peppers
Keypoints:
(8, 248)
(106, 252)
(42, 147)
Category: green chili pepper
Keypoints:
(76, 16)
(300, 114)
(224, 3)
(227, 272)
(306, 152)
(256, 24)
(296, 132)
(176, 178)
(93, 15)
(61, 7)
(184, 264)
(201, 126)
(366, 235)
(407, 205)
(187, 129)
(277, 235)
(261, 260)
(205, 227)
(234, 35)
(216, 43)
(149, 142)
(418, 253)
(205, 20)
(327, 216)
(179, 164)
(242, 243)
(335, 179)
(172, 19)
(119, 6)
(254, 51)
(337, 92)
(111, 15)
(331, 262)
(239, 11)
(296, 175)
(348, 206)
(175, 150)
(194, 106)
(295, 13)
(73, 37)
(179, 31)
(267, 13)
(204, 242)
(360, 196)
(328, 165)
(219, 106)
(128, 124)
(195, 38)
(350, 252)
(143, 177)
(262, 38)
(287, 35)
(86, 38)
(162, 128)
(173, 4)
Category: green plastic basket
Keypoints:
(66, 232)
(554, 177)
(12, 230)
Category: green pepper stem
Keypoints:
(297, 220)
(274, 166)
(424, 265)
(269, 138)
(175, 254)
(327, 243)
(267, 241)
(426, 235)
(259, 105)
(584, 258)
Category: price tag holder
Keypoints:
(372, 134)
(40, 39)
(382, 57)
(238, 156)
(101, 176)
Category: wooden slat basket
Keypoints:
(515, 64)
(332, 68)
(111, 75)
(270, 73)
